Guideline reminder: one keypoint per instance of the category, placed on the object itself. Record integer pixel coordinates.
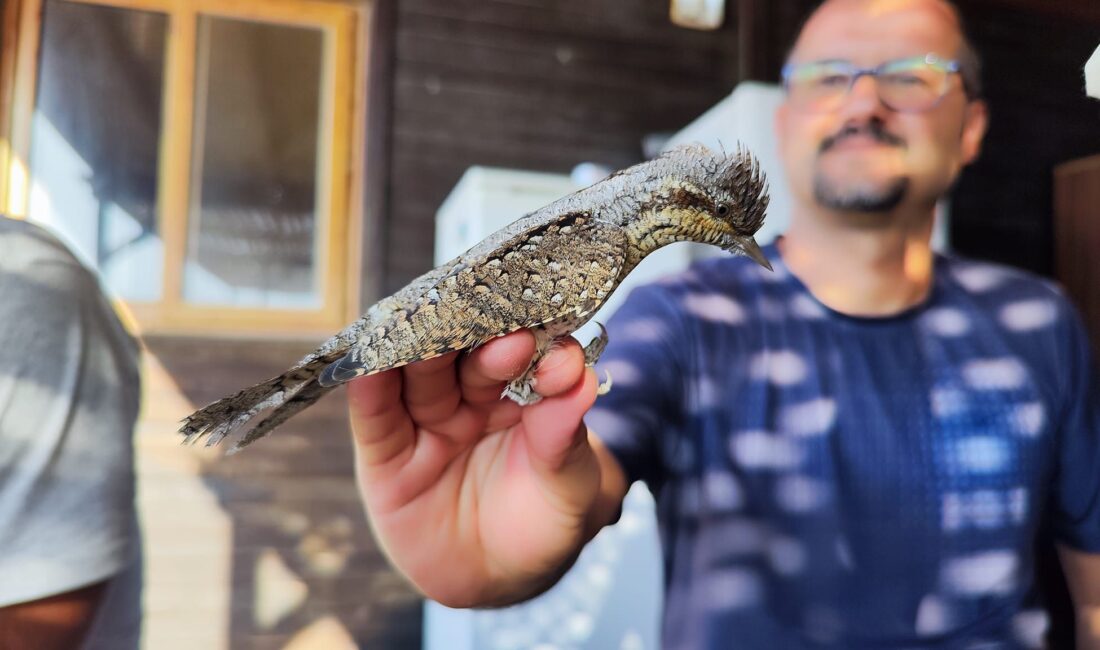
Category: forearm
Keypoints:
(1082, 571)
(57, 622)
(1087, 627)
(1088, 631)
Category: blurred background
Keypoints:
(248, 175)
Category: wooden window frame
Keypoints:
(342, 146)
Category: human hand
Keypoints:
(477, 500)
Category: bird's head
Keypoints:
(691, 193)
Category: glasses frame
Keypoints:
(950, 66)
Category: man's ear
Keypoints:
(975, 123)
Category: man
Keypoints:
(853, 451)
(69, 394)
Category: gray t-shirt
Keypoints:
(69, 396)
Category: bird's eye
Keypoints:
(722, 210)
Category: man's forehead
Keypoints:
(871, 31)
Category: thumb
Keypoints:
(556, 437)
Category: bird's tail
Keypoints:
(287, 394)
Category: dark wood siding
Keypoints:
(542, 85)
(291, 497)
(534, 85)
(1040, 117)
(1077, 237)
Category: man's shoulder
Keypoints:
(24, 245)
(1016, 300)
(41, 276)
(995, 283)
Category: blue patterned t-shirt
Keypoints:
(828, 480)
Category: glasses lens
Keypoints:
(912, 85)
(819, 86)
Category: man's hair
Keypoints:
(970, 64)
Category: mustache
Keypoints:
(874, 130)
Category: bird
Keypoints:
(548, 271)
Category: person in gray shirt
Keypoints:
(69, 398)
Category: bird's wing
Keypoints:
(563, 268)
(559, 269)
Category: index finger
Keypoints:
(380, 425)
(483, 374)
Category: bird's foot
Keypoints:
(595, 347)
(592, 353)
(522, 389)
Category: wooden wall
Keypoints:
(538, 85)
(1040, 117)
(264, 549)
(1077, 236)
(543, 85)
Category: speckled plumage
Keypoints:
(549, 271)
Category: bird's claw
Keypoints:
(595, 347)
(605, 385)
(592, 353)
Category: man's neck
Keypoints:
(861, 271)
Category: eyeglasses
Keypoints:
(907, 85)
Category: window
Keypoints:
(198, 153)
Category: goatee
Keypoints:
(860, 198)
(865, 196)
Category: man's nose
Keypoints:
(863, 99)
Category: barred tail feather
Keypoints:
(223, 417)
(305, 395)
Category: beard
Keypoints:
(864, 192)
(880, 196)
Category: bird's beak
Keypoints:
(752, 249)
